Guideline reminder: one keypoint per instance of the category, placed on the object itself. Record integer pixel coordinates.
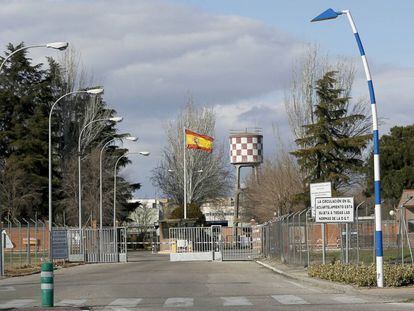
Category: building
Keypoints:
(148, 213)
(219, 211)
(406, 205)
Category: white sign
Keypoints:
(7, 241)
(319, 190)
(334, 210)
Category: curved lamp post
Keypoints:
(143, 153)
(114, 119)
(131, 138)
(331, 14)
(96, 91)
(53, 45)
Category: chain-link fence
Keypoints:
(297, 239)
(26, 243)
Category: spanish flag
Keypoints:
(194, 140)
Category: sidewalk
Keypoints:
(397, 294)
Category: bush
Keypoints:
(363, 275)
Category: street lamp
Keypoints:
(53, 45)
(142, 153)
(95, 91)
(130, 138)
(113, 119)
(331, 14)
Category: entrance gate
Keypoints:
(95, 245)
(215, 243)
(241, 243)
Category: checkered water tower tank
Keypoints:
(246, 148)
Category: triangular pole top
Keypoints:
(328, 14)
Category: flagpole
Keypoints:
(185, 178)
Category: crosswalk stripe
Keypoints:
(348, 299)
(16, 303)
(126, 302)
(179, 302)
(289, 300)
(236, 301)
(71, 302)
(7, 288)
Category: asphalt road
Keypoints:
(154, 283)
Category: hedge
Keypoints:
(364, 275)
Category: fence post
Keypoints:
(323, 244)
(307, 235)
(2, 243)
(28, 261)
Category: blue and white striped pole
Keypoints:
(331, 14)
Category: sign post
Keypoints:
(320, 190)
(335, 210)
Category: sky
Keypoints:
(233, 55)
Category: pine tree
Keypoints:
(397, 163)
(328, 152)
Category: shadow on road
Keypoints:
(137, 256)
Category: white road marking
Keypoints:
(7, 288)
(179, 302)
(71, 302)
(349, 299)
(16, 303)
(289, 300)
(125, 302)
(236, 301)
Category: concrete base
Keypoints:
(191, 256)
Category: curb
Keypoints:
(315, 282)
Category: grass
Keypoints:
(366, 256)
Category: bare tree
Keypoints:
(280, 180)
(302, 97)
(208, 176)
(16, 193)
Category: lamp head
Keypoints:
(116, 119)
(96, 91)
(170, 171)
(328, 14)
(131, 138)
(57, 45)
(144, 153)
(199, 171)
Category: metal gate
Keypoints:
(215, 243)
(95, 245)
(241, 243)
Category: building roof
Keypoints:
(407, 198)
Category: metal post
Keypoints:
(10, 232)
(331, 14)
(401, 235)
(307, 235)
(347, 243)
(323, 244)
(2, 242)
(375, 133)
(28, 259)
(300, 235)
(35, 226)
(185, 174)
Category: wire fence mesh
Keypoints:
(29, 243)
(297, 239)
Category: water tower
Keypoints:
(246, 150)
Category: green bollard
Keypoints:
(46, 279)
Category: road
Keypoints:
(151, 282)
